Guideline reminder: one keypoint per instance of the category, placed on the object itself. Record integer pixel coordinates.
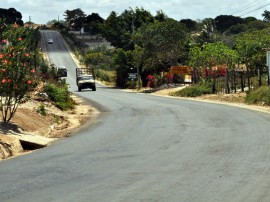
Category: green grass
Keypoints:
(60, 96)
(193, 91)
(259, 96)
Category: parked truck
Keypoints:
(85, 79)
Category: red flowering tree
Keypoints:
(17, 71)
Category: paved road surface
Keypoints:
(145, 148)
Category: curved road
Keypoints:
(146, 148)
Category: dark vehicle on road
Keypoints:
(50, 41)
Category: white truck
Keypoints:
(85, 79)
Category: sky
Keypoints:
(43, 11)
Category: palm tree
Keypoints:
(266, 16)
(208, 31)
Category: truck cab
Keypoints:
(85, 79)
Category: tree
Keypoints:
(218, 54)
(196, 58)
(211, 55)
(257, 25)
(160, 16)
(11, 16)
(249, 19)
(119, 29)
(224, 22)
(237, 29)
(190, 24)
(250, 48)
(163, 42)
(123, 62)
(112, 30)
(208, 31)
(17, 69)
(75, 18)
(52, 22)
(266, 16)
(93, 23)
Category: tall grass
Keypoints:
(259, 96)
(60, 95)
(105, 75)
(194, 91)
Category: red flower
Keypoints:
(20, 38)
(9, 80)
(33, 71)
(1, 55)
(29, 82)
(3, 70)
(4, 80)
(4, 40)
(27, 54)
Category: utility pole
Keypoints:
(268, 64)
(138, 69)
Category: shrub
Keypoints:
(17, 70)
(41, 110)
(131, 84)
(60, 95)
(105, 75)
(194, 91)
(259, 96)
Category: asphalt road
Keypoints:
(145, 148)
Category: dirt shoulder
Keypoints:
(234, 99)
(30, 130)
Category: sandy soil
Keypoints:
(28, 124)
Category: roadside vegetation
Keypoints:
(259, 96)
(17, 67)
(60, 95)
(194, 90)
(226, 54)
(23, 70)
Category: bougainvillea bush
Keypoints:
(17, 68)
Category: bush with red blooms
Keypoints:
(17, 72)
(168, 78)
(214, 73)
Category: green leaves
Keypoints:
(212, 54)
(60, 95)
(163, 41)
(17, 72)
(250, 46)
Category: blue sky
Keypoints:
(42, 11)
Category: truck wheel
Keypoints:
(79, 89)
(94, 88)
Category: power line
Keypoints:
(255, 9)
(247, 8)
(250, 5)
